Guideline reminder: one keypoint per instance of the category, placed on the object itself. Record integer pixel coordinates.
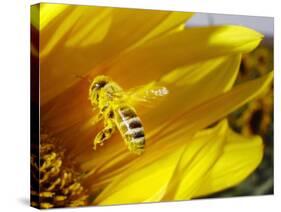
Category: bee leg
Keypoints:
(96, 119)
(93, 121)
(104, 134)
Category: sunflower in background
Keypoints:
(190, 152)
(256, 118)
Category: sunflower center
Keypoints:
(59, 185)
(255, 121)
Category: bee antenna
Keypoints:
(82, 77)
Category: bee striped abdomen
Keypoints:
(131, 128)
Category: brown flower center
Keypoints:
(59, 185)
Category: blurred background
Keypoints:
(257, 116)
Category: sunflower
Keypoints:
(190, 151)
(258, 116)
(255, 117)
(256, 63)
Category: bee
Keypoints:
(115, 108)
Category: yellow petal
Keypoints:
(220, 72)
(83, 37)
(156, 57)
(45, 13)
(48, 12)
(213, 160)
(56, 32)
(240, 157)
(90, 30)
(155, 179)
(34, 16)
(119, 28)
(172, 23)
(214, 109)
(198, 158)
(192, 85)
(141, 183)
(75, 27)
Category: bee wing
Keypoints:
(146, 94)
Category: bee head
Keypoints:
(96, 86)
